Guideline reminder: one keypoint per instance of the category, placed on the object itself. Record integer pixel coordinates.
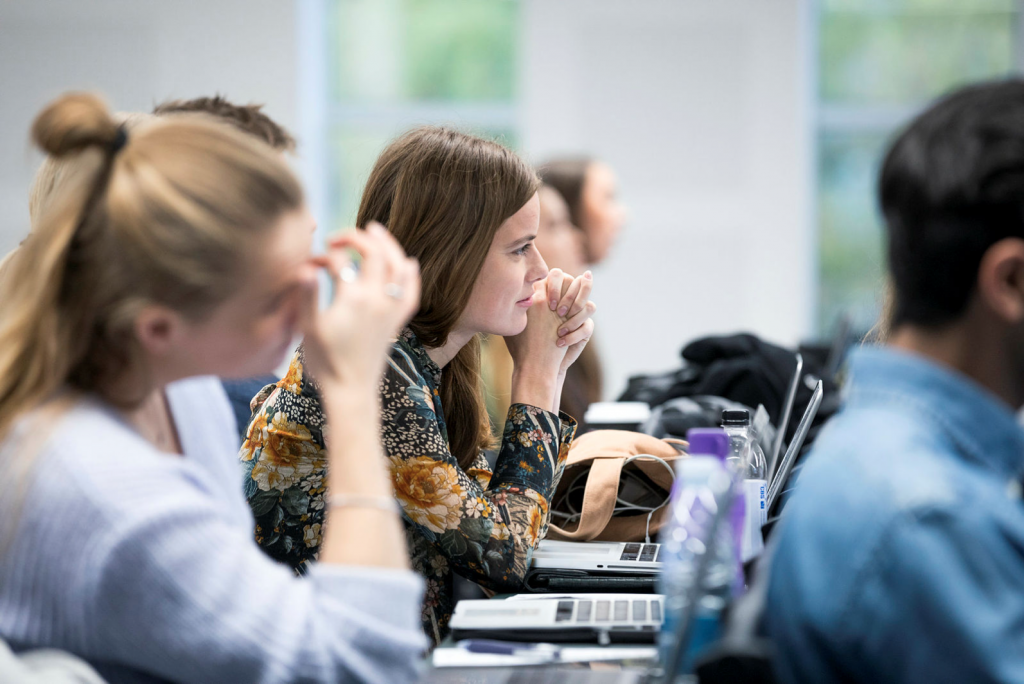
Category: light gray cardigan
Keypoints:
(145, 565)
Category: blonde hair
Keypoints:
(169, 219)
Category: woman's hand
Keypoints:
(536, 355)
(570, 298)
(346, 344)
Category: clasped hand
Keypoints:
(559, 325)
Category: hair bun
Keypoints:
(73, 122)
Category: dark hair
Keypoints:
(247, 118)
(567, 176)
(951, 186)
(443, 195)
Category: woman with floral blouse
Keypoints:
(467, 208)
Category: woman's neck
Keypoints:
(144, 405)
(155, 422)
(443, 355)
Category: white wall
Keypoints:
(137, 53)
(702, 108)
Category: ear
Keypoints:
(158, 329)
(1001, 279)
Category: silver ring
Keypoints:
(393, 290)
(348, 274)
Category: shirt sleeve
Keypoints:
(284, 463)
(228, 613)
(485, 524)
(943, 600)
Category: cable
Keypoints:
(621, 506)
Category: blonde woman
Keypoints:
(141, 272)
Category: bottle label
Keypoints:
(755, 494)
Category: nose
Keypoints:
(537, 268)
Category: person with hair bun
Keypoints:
(149, 265)
(468, 209)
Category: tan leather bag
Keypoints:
(603, 453)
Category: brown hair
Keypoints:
(246, 118)
(164, 214)
(443, 195)
(568, 177)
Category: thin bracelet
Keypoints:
(384, 503)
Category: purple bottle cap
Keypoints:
(708, 442)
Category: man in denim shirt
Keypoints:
(901, 554)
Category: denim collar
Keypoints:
(982, 426)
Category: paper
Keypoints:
(455, 656)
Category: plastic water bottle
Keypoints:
(746, 459)
(702, 482)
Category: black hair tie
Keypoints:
(120, 139)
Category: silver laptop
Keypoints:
(573, 618)
(621, 565)
(622, 557)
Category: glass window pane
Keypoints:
(911, 56)
(387, 51)
(850, 239)
(354, 149)
(878, 60)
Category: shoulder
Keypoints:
(876, 484)
(99, 467)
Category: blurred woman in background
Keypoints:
(590, 188)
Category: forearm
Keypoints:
(559, 384)
(356, 533)
(537, 387)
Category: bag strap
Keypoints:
(598, 499)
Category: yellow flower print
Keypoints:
(481, 475)
(292, 382)
(288, 455)
(478, 507)
(254, 437)
(563, 452)
(500, 532)
(536, 520)
(428, 491)
(311, 535)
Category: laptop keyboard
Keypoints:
(590, 611)
(640, 552)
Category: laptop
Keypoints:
(559, 566)
(604, 618)
(573, 618)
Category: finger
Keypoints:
(372, 269)
(569, 296)
(582, 297)
(578, 320)
(309, 301)
(411, 288)
(554, 287)
(582, 334)
(392, 251)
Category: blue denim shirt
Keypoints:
(901, 553)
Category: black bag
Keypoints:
(741, 368)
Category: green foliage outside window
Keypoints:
(879, 62)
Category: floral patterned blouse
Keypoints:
(483, 525)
